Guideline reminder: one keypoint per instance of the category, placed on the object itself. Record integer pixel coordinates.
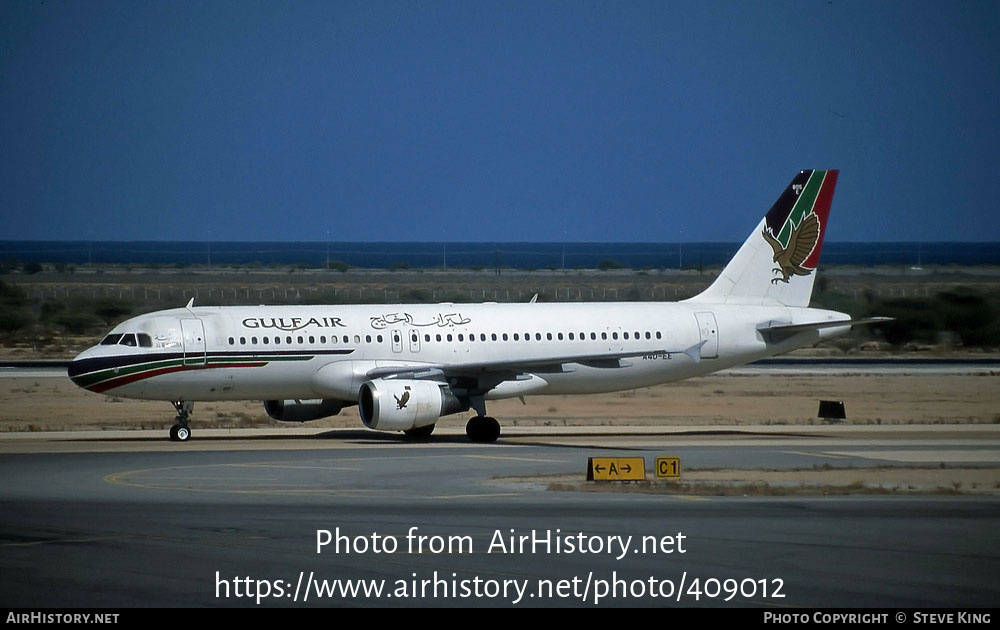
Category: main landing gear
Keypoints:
(483, 429)
(181, 432)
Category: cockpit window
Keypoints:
(128, 339)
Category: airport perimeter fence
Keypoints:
(362, 294)
(347, 295)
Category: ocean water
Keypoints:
(486, 255)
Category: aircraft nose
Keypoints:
(78, 369)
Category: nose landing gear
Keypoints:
(181, 432)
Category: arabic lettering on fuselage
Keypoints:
(441, 320)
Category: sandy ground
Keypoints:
(981, 479)
(52, 404)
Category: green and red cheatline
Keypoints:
(104, 374)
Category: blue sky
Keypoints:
(494, 121)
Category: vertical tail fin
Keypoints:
(775, 265)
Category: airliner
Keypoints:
(407, 365)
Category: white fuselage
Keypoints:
(309, 352)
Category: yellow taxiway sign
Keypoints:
(616, 469)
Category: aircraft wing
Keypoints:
(541, 365)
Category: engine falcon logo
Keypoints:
(401, 402)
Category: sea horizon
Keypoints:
(518, 255)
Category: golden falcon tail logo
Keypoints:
(801, 242)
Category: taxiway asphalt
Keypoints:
(137, 521)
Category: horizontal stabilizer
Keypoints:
(778, 332)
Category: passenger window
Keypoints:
(312, 339)
(548, 336)
(427, 338)
(570, 336)
(265, 340)
(626, 335)
(505, 336)
(437, 337)
(232, 341)
(614, 335)
(648, 336)
(253, 340)
(300, 340)
(604, 336)
(538, 336)
(515, 337)
(449, 336)
(243, 341)
(368, 338)
(460, 338)
(493, 336)
(658, 334)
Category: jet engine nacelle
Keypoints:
(302, 410)
(401, 405)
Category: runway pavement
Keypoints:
(133, 520)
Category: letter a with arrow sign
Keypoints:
(616, 469)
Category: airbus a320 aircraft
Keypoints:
(407, 365)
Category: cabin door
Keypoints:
(193, 332)
(709, 331)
